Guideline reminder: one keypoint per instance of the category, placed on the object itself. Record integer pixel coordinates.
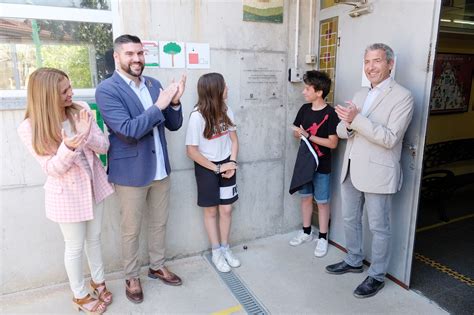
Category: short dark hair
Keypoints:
(320, 81)
(125, 39)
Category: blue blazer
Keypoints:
(131, 156)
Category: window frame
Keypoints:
(40, 12)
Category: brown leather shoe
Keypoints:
(133, 290)
(165, 275)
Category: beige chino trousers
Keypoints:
(136, 202)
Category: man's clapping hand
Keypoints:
(166, 96)
(180, 91)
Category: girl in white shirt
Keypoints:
(212, 143)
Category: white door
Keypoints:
(410, 27)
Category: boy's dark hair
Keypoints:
(125, 39)
(320, 81)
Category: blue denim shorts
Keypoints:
(319, 188)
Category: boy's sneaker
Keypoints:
(301, 238)
(233, 261)
(321, 248)
(219, 261)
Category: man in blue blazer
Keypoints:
(136, 111)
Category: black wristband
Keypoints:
(233, 161)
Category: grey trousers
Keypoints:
(378, 212)
(135, 201)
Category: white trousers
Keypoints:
(75, 236)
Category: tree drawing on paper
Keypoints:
(172, 49)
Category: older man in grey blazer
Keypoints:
(374, 124)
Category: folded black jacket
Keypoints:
(305, 165)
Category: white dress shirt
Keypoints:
(373, 93)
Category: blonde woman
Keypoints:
(63, 138)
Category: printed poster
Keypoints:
(197, 56)
(152, 53)
(172, 55)
(267, 11)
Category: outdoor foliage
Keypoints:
(78, 48)
(74, 60)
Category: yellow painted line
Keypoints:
(444, 269)
(230, 310)
(444, 223)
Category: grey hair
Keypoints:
(388, 51)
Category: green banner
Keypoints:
(100, 123)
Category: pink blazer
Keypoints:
(70, 193)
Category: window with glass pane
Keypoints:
(84, 4)
(77, 48)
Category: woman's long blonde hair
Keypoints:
(44, 109)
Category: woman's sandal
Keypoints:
(96, 306)
(100, 291)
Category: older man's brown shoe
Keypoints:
(165, 275)
(133, 290)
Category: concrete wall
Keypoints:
(32, 246)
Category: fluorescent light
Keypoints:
(445, 20)
(463, 22)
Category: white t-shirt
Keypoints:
(215, 149)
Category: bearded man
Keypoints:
(136, 111)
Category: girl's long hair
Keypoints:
(44, 109)
(211, 105)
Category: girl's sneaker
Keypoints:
(219, 261)
(301, 238)
(233, 261)
(321, 248)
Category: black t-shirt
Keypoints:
(320, 123)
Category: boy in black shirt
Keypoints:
(317, 122)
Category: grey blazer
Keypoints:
(375, 144)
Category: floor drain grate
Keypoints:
(239, 290)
